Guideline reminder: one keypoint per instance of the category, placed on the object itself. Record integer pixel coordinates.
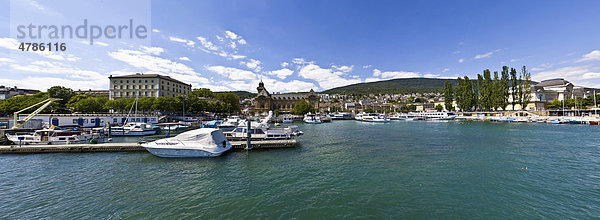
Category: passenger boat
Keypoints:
(341, 116)
(51, 136)
(133, 129)
(202, 142)
(311, 118)
(435, 115)
(373, 117)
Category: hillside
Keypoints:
(242, 94)
(409, 85)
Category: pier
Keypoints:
(128, 147)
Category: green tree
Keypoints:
(303, 107)
(439, 108)
(504, 88)
(514, 86)
(525, 87)
(496, 92)
(448, 96)
(477, 92)
(486, 91)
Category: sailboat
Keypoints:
(132, 128)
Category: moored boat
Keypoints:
(51, 136)
(311, 118)
(202, 142)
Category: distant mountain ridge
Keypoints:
(406, 85)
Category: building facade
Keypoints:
(265, 101)
(94, 93)
(550, 90)
(7, 92)
(146, 85)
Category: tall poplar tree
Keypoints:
(496, 92)
(526, 88)
(448, 96)
(477, 96)
(504, 87)
(458, 93)
(514, 84)
(486, 90)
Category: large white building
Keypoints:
(146, 85)
(550, 90)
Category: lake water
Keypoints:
(344, 169)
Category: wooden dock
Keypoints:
(127, 147)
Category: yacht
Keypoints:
(374, 117)
(133, 129)
(311, 118)
(202, 142)
(51, 136)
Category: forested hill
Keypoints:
(242, 94)
(408, 85)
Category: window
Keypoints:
(146, 93)
(121, 81)
(152, 81)
(114, 120)
(127, 81)
(146, 81)
(152, 86)
(127, 86)
(146, 87)
(115, 81)
(116, 87)
(92, 120)
(74, 121)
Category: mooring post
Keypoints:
(248, 136)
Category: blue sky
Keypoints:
(298, 45)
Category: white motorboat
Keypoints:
(261, 131)
(177, 127)
(341, 116)
(311, 118)
(231, 122)
(374, 117)
(287, 119)
(202, 142)
(359, 116)
(133, 129)
(51, 136)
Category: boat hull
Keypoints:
(181, 153)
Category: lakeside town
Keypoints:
(150, 104)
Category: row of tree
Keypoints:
(487, 93)
(196, 102)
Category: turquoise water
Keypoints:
(344, 169)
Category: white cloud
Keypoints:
(181, 40)
(210, 47)
(233, 73)
(242, 41)
(155, 30)
(231, 35)
(285, 64)
(344, 69)
(100, 43)
(144, 60)
(461, 60)
(184, 58)
(281, 73)
(252, 64)
(591, 56)
(431, 75)
(481, 56)
(571, 73)
(394, 74)
(6, 60)
(58, 69)
(326, 78)
(366, 66)
(445, 70)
